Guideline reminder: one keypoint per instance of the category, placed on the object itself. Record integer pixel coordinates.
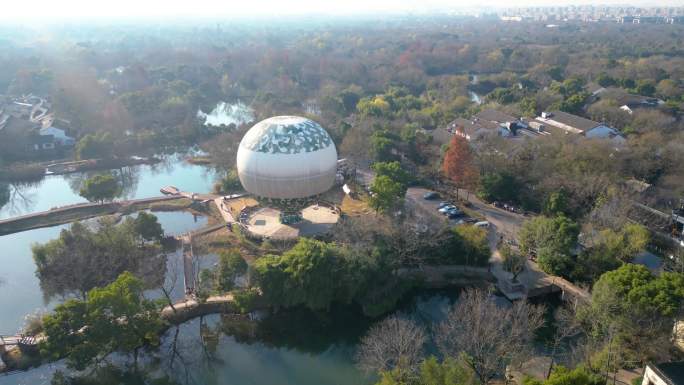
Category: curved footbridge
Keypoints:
(72, 213)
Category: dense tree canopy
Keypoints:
(313, 274)
(553, 240)
(86, 257)
(564, 376)
(114, 318)
(632, 312)
(148, 227)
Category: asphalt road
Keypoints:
(503, 221)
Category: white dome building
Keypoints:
(287, 157)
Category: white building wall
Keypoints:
(287, 176)
(651, 378)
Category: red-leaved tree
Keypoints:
(459, 165)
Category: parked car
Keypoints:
(482, 224)
(446, 208)
(454, 211)
(430, 195)
(454, 215)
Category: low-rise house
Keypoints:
(669, 373)
(20, 138)
(486, 122)
(57, 129)
(573, 124)
(630, 102)
(472, 129)
(42, 143)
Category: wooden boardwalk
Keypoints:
(188, 266)
(189, 261)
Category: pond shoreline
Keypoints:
(21, 172)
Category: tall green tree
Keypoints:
(553, 240)
(230, 266)
(84, 257)
(631, 316)
(115, 318)
(95, 146)
(385, 193)
(147, 226)
(557, 233)
(394, 171)
(313, 274)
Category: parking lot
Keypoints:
(504, 222)
(429, 208)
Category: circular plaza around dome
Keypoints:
(287, 157)
(267, 222)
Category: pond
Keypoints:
(142, 181)
(20, 291)
(225, 114)
(295, 347)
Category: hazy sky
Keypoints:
(88, 9)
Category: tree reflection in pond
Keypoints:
(16, 197)
(93, 255)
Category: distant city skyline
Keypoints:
(158, 9)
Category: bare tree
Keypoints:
(488, 337)
(567, 326)
(396, 342)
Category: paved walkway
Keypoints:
(189, 273)
(224, 210)
(72, 213)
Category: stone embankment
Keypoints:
(67, 214)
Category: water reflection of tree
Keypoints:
(84, 257)
(4, 194)
(130, 178)
(17, 198)
(111, 374)
(191, 351)
(187, 352)
(303, 330)
(127, 176)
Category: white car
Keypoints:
(446, 208)
(483, 224)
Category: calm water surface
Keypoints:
(143, 181)
(20, 291)
(293, 347)
(290, 348)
